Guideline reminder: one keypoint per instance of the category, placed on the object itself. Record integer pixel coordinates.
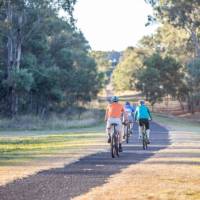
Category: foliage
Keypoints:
(103, 65)
(46, 64)
(106, 62)
(123, 75)
(179, 13)
(193, 82)
(160, 77)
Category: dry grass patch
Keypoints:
(152, 182)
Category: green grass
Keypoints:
(176, 123)
(19, 149)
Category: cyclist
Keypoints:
(143, 115)
(113, 114)
(130, 114)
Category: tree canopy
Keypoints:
(46, 63)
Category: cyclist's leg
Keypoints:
(119, 129)
(131, 124)
(124, 130)
(147, 129)
(140, 129)
(131, 127)
(108, 129)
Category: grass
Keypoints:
(88, 118)
(175, 123)
(19, 149)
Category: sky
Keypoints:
(113, 24)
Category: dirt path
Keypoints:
(80, 177)
(172, 173)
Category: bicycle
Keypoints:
(127, 132)
(114, 142)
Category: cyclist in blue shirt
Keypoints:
(130, 114)
(143, 115)
(129, 107)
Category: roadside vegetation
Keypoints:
(166, 63)
(177, 123)
(46, 66)
(75, 119)
(18, 148)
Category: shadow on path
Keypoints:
(79, 177)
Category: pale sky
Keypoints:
(113, 24)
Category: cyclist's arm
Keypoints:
(149, 113)
(106, 114)
(136, 114)
(133, 112)
(124, 113)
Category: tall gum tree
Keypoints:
(13, 27)
(180, 13)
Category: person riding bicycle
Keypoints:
(143, 115)
(130, 114)
(114, 112)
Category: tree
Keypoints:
(168, 41)
(193, 83)
(179, 13)
(150, 84)
(103, 65)
(48, 66)
(17, 27)
(123, 74)
(159, 77)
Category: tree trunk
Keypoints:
(181, 104)
(190, 104)
(14, 44)
(196, 43)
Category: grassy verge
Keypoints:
(175, 123)
(20, 148)
(88, 118)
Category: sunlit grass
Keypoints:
(19, 149)
(176, 123)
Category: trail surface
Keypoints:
(80, 177)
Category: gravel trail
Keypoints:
(90, 171)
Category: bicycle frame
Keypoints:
(114, 141)
(127, 128)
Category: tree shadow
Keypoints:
(79, 177)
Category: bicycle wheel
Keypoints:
(112, 145)
(144, 141)
(127, 134)
(117, 144)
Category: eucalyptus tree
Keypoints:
(123, 77)
(180, 13)
(19, 20)
(193, 84)
(160, 76)
(104, 65)
(17, 25)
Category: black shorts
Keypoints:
(144, 122)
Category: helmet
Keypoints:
(114, 99)
(141, 102)
(127, 103)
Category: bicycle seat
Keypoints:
(114, 124)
